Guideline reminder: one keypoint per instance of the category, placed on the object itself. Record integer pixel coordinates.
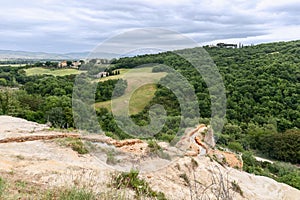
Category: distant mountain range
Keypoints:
(27, 55)
(8, 54)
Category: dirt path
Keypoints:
(263, 159)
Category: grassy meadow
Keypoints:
(13, 65)
(139, 92)
(55, 72)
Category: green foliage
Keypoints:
(153, 146)
(50, 70)
(8, 103)
(105, 89)
(235, 146)
(109, 125)
(132, 181)
(262, 93)
(70, 194)
(3, 82)
(76, 194)
(282, 172)
(280, 146)
(75, 143)
(292, 179)
(2, 186)
(9, 76)
(259, 84)
(248, 160)
(155, 149)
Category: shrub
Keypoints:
(75, 143)
(155, 149)
(153, 146)
(235, 146)
(132, 181)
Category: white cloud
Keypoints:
(75, 25)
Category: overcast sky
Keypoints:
(79, 25)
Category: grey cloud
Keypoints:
(74, 25)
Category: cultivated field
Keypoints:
(55, 72)
(140, 90)
(13, 65)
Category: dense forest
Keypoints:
(45, 98)
(262, 91)
(263, 96)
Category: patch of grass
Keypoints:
(76, 194)
(141, 98)
(2, 186)
(21, 184)
(137, 96)
(140, 186)
(55, 72)
(153, 146)
(13, 65)
(111, 159)
(235, 187)
(75, 143)
(11, 189)
(138, 101)
(113, 195)
(155, 149)
(70, 194)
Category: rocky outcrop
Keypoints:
(38, 137)
(200, 141)
(47, 164)
(227, 158)
(194, 141)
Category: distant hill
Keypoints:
(27, 55)
(9, 54)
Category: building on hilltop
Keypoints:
(224, 45)
(63, 64)
(102, 74)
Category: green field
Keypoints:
(140, 90)
(55, 72)
(13, 65)
(138, 101)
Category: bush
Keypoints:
(75, 143)
(132, 181)
(292, 179)
(235, 146)
(281, 172)
(155, 149)
(153, 146)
